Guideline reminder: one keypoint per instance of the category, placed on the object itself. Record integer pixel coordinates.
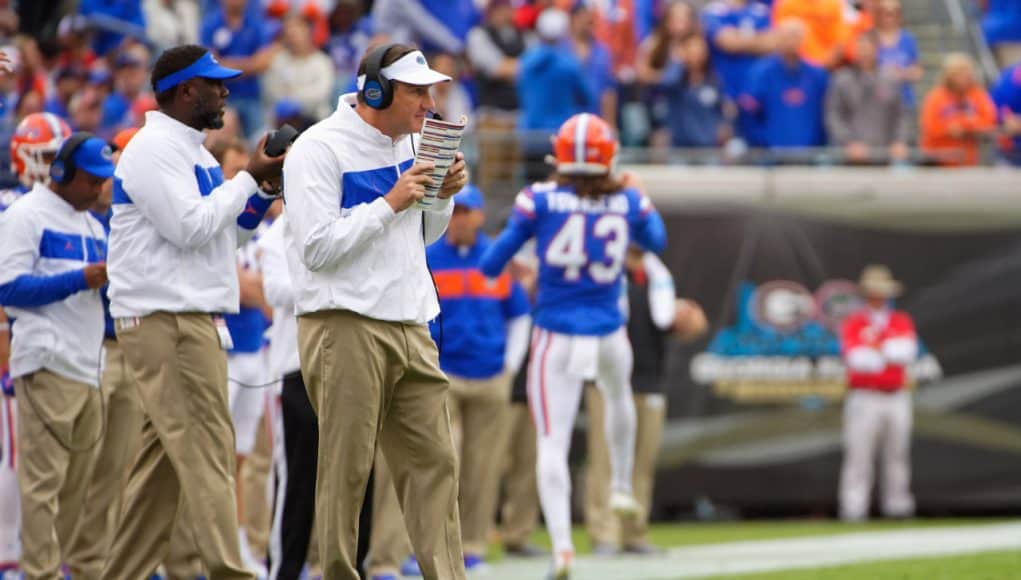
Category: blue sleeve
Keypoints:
(753, 100)
(910, 47)
(516, 304)
(268, 31)
(647, 229)
(713, 25)
(585, 91)
(27, 291)
(254, 211)
(207, 29)
(504, 248)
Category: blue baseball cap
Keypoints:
(94, 156)
(206, 67)
(469, 197)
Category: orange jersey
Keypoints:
(942, 112)
(826, 29)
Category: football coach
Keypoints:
(363, 295)
(176, 226)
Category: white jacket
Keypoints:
(276, 284)
(352, 252)
(43, 236)
(174, 228)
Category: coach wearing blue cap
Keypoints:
(176, 226)
(52, 256)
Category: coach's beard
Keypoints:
(209, 116)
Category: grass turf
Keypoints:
(698, 533)
(983, 566)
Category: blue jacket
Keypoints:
(552, 87)
(788, 102)
(1007, 94)
(474, 310)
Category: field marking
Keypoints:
(772, 555)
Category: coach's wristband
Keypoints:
(5, 326)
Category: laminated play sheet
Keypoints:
(437, 144)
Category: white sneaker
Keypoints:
(624, 504)
(561, 566)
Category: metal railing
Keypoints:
(965, 22)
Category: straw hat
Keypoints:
(876, 280)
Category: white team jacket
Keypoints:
(174, 229)
(276, 284)
(351, 251)
(42, 235)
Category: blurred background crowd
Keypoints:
(684, 81)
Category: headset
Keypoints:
(62, 169)
(377, 91)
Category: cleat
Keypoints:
(561, 566)
(410, 567)
(624, 504)
(475, 563)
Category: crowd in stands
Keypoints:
(723, 75)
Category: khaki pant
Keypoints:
(58, 419)
(187, 448)
(254, 481)
(370, 381)
(519, 513)
(104, 498)
(478, 415)
(114, 454)
(876, 423)
(389, 544)
(602, 526)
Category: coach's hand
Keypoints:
(95, 275)
(410, 187)
(263, 167)
(457, 177)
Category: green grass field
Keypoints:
(691, 534)
(990, 565)
(984, 566)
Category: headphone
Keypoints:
(377, 92)
(62, 169)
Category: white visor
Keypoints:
(411, 69)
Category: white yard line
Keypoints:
(770, 555)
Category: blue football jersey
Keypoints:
(581, 244)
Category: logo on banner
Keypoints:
(784, 345)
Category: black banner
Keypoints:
(755, 408)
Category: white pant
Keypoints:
(874, 419)
(559, 366)
(10, 499)
(246, 402)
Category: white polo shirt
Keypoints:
(174, 230)
(43, 236)
(351, 251)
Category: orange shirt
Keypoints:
(826, 30)
(864, 23)
(616, 29)
(942, 111)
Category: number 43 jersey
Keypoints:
(581, 243)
